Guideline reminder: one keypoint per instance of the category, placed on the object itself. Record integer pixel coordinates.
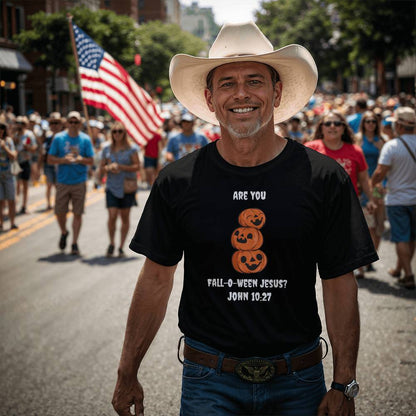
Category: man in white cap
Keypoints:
(72, 151)
(186, 141)
(253, 213)
(397, 161)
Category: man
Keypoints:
(185, 142)
(26, 147)
(295, 131)
(253, 214)
(397, 161)
(355, 119)
(72, 151)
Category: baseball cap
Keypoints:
(74, 114)
(187, 117)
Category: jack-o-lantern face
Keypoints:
(249, 261)
(247, 238)
(252, 217)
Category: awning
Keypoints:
(13, 60)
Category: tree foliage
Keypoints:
(377, 29)
(118, 35)
(157, 43)
(305, 22)
(343, 34)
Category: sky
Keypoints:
(229, 11)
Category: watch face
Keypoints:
(352, 389)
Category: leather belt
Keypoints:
(254, 369)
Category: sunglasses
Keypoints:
(370, 121)
(54, 123)
(335, 123)
(118, 131)
(73, 122)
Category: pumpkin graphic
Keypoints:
(249, 261)
(252, 217)
(247, 238)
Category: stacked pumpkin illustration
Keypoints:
(247, 240)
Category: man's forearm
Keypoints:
(343, 324)
(147, 311)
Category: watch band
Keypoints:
(350, 390)
(338, 386)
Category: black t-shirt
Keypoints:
(251, 238)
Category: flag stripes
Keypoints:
(105, 84)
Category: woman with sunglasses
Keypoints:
(334, 138)
(119, 160)
(371, 141)
(7, 183)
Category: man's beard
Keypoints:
(244, 132)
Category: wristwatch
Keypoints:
(350, 390)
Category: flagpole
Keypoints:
(74, 49)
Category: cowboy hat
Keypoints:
(244, 42)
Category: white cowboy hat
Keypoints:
(244, 42)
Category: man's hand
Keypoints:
(68, 158)
(127, 394)
(371, 207)
(335, 403)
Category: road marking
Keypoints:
(40, 221)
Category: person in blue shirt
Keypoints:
(371, 141)
(295, 131)
(354, 120)
(185, 142)
(72, 151)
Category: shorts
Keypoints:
(402, 220)
(50, 173)
(127, 201)
(7, 188)
(74, 193)
(24, 175)
(150, 162)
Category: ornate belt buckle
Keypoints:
(255, 370)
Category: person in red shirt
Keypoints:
(151, 157)
(334, 138)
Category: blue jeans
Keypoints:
(211, 392)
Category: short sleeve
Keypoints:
(385, 155)
(362, 163)
(158, 236)
(345, 242)
(171, 146)
(89, 150)
(54, 146)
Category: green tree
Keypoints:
(377, 32)
(157, 43)
(118, 35)
(49, 37)
(308, 23)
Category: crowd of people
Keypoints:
(258, 195)
(350, 128)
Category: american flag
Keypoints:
(106, 84)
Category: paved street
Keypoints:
(63, 319)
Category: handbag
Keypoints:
(15, 168)
(130, 185)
